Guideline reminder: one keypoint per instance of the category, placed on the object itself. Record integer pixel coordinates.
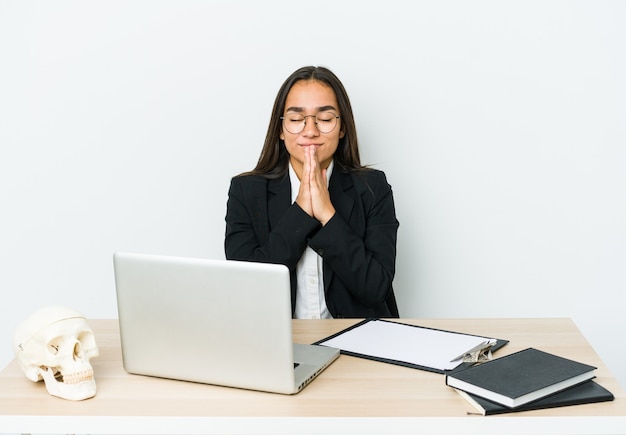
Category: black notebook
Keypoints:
(587, 392)
(521, 377)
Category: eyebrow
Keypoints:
(319, 109)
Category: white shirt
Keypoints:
(310, 298)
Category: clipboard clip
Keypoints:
(479, 353)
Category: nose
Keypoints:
(310, 127)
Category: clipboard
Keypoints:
(413, 346)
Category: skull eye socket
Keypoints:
(87, 339)
(54, 346)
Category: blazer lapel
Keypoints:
(278, 199)
(339, 188)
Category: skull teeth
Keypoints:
(76, 378)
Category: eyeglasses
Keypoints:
(325, 122)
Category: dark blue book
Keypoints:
(587, 392)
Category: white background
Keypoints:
(501, 127)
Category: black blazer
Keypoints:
(358, 244)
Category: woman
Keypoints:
(309, 204)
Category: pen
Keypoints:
(480, 346)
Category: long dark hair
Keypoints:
(274, 159)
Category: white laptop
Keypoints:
(212, 321)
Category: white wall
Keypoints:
(500, 125)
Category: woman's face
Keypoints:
(310, 98)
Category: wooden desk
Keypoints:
(353, 395)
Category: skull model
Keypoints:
(55, 344)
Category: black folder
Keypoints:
(372, 356)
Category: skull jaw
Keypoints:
(71, 391)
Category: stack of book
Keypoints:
(526, 380)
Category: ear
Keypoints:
(342, 133)
(281, 135)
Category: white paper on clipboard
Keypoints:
(407, 343)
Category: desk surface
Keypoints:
(353, 395)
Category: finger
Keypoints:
(315, 168)
(304, 194)
(312, 158)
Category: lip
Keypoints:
(310, 145)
